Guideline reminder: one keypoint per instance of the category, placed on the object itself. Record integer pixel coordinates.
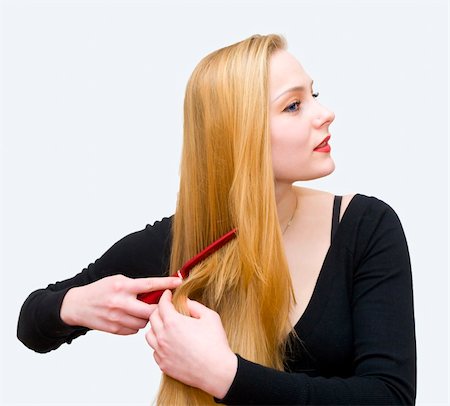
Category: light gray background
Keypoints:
(92, 96)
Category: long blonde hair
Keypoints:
(227, 182)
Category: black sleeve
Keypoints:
(140, 254)
(384, 361)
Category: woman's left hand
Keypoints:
(192, 349)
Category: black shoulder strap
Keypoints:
(336, 212)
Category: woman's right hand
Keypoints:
(111, 305)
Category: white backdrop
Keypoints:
(91, 113)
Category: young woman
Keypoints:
(311, 303)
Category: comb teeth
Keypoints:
(183, 273)
(205, 253)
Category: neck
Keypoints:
(286, 202)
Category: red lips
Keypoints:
(323, 146)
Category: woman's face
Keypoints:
(298, 123)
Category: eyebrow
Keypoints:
(292, 89)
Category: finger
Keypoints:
(143, 285)
(156, 322)
(151, 339)
(120, 330)
(156, 357)
(126, 321)
(196, 309)
(165, 306)
(127, 332)
(153, 307)
(137, 308)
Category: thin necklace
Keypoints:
(292, 217)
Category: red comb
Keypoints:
(183, 272)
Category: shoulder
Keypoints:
(359, 204)
(159, 228)
(154, 237)
(362, 217)
(369, 207)
(140, 250)
(158, 231)
(370, 222)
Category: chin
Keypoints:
(325, 169)
(329, 170)
(317, 171)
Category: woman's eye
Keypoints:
(293, 107)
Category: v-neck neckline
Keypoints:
(312, 311)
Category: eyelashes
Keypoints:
(295, 106)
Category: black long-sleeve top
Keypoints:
(356, 337)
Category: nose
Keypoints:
(324, 116)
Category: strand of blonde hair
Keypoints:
(227, 182)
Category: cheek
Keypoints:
(289, 140)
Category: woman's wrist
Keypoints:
(65, 313)
(219, 381)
